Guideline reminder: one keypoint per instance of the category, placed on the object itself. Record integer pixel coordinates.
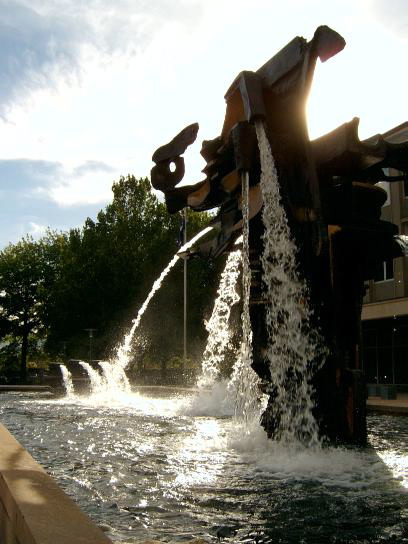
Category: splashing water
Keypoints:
(176, 477)
(97, 381)
(219, 331)
(244, 383)
(114, 377)
(293, 346)
(123, 352)
(67, 381)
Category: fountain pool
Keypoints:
(174, 466)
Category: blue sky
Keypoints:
(90, 89)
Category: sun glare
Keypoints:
(330, 103)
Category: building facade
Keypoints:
(385, 308)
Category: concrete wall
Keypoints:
(33, 509)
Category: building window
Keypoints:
(385, 271)
(405, 188)
(385, 350)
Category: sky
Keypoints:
(90, 88)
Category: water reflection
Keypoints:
(145, 467)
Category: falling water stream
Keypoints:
(218, 326)
(293, 346)
(97, 381)
(67, 381)
(114, 376)
(123, 351)
(244, 383)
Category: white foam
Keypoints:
(131, 402)
(214, 402)
(330, 467)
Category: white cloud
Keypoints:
(41, 194)
(35, 51)
(45, 41)
(36, 230)
(393, 14)
(121, 78)
(81, 185)
(65, 184)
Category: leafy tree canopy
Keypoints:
(98, 276)
(26, 273)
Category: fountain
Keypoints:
(219, 333)
(113, 379)
(315, 237)
(302, 219)
(243, 384)
(67, 381)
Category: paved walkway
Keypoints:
(396, 406)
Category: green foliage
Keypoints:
(9, 356)
(27, 271)
(98, 276)
(178, 363)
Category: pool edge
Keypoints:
(33, 508)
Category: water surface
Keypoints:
(169, 466)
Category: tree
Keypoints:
(108, 267)
(99, 275)
(25, 275)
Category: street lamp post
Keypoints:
(185, 295)
(64, 349)
(90, 331)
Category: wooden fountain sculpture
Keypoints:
(332, 204)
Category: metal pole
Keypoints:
(185, 295)
(393, 349)
(90, 332)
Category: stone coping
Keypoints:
(33, 509)
(25, 388)
(398, 406)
